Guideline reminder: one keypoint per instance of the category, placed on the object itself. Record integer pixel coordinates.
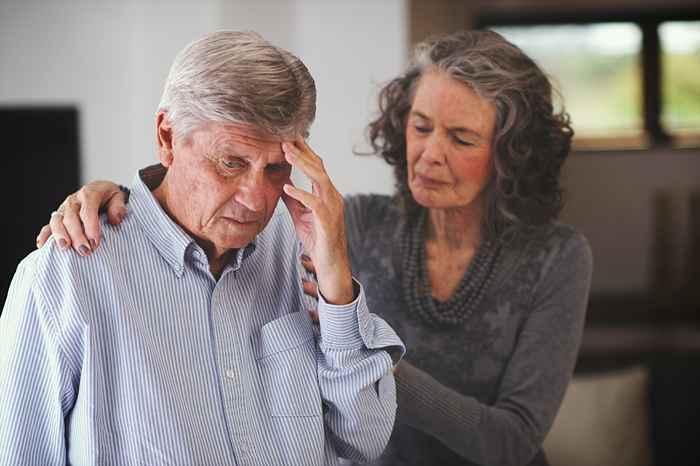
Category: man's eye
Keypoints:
(232, 164)
(277, 167)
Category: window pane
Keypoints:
(680, 61)
(597, 69)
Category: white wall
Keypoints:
(110, 58)
(350, 48)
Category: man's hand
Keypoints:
(320, 223)
(76, 222)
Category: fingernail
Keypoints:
(93, 244)
(84, 250)
(306, 258)
(62, 243)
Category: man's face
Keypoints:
(224, 182)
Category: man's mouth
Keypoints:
(243, 222)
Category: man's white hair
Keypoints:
(239, 77)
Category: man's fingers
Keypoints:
(59, 231)
(292, 204)
(43, 236)
(308, 200)
(310, 288)
(309, 164)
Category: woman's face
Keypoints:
(448, 143)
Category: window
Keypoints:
(628, 81)
(680, 61)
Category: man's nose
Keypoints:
(251, 192)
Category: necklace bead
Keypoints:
(416, 286)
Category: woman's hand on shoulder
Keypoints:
(310, 287)
(76, 222)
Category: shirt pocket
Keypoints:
(285, 353)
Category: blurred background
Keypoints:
(80, 81)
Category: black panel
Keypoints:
(40, 153)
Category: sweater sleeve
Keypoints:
(511, 430)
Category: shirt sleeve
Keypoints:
(357, 354)
(511, 430)
(35, 383)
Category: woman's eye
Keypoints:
(422, 129)
(463, 142)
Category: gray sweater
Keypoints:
(485, 392)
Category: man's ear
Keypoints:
(164, 139)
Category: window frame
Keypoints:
(654, 135)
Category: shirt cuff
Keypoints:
(341, 325)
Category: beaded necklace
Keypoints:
(469, 292)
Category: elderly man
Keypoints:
(184, 338)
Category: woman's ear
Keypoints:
(164, 139)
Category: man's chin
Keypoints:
(240, 237)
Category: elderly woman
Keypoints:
(466, 261)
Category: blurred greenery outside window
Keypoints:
(598, 69)
(680, 61)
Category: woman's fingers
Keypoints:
(44, 235)
(116, 208)
(74, 226)
(313, 313)
(89, 206)
(308, 264)
(59, 231)
(310, 288)
(77, 221)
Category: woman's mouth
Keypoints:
(427, 182)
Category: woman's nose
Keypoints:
(433, 151)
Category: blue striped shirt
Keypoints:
(136, 355)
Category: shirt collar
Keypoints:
(171, 241)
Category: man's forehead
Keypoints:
(247, 134)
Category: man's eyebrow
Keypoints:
(222, 152)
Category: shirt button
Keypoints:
(230, 373)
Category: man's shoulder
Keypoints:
(53, 262)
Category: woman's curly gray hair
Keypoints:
(531, 139)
